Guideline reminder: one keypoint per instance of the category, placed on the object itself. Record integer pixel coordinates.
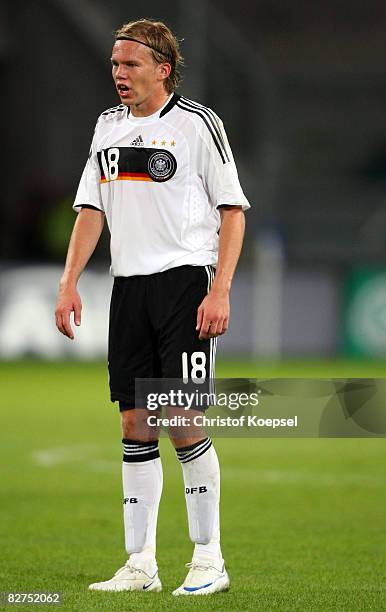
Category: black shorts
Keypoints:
(152, 332)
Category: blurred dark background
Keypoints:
(300, 88)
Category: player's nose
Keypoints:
(120, 73)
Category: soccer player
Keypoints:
(161, 171)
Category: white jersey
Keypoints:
(160, 180)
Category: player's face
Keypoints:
(136, 75)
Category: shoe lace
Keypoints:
(131, 568)
(199, 565)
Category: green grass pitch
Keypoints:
(303, 520)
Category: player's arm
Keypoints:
(213, 313)
(85, 235)
(220, 179)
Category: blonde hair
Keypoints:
(163, 45)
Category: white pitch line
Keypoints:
(105, 466)
(291, 477)
(59, 455)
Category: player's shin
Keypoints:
(142, 487)
(201, 474)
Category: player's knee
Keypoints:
(130, 423)
(136, 427)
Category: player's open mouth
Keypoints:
(123, 90)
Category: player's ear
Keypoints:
(164, 70)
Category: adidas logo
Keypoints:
(137, 142)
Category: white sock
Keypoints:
(142, 487)
(201, 473)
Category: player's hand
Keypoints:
(68, 301)
(213, 315)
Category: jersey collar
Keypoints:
(172, 101)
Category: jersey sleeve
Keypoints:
(89, 192)
(218, 168)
